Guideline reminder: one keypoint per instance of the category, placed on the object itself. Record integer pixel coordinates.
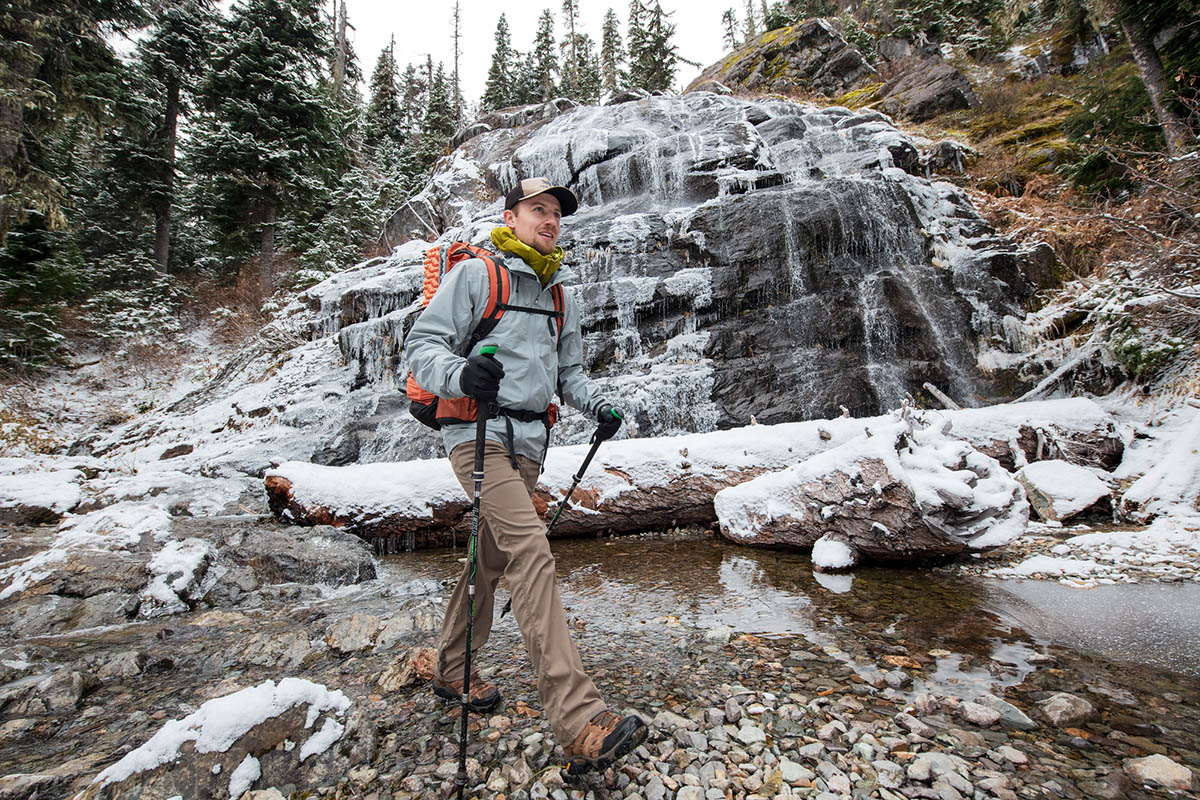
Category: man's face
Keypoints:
(535, 222)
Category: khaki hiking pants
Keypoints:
(512, 543)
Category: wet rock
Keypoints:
(914, 725)
(353, 634)
(1010, 715)
(1158, 770)
(321, 554)
(1012, 755)
(978, 714)
(1066, 710)
(928, 766)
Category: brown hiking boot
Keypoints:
(484, 695)
(602, 741)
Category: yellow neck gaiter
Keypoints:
(544, 265)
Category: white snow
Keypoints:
(219, 723)
(1049, 565)
(832, 554)
(924, 468)
(244, 776)
(175, 572)
(1169, 464)
(1071, 488)
(57, 491)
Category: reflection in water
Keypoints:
(969, 635)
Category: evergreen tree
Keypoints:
(263, 130)
(639, 50)
(729, 23)
(543, 61)
(385, 119)
(500, 89)
(414, 93)
(570, 49)
(173, 55)
(437, 125)
(659, 72)
(751, 28)
(611, 54)
(528, 82)
(588, 90)
(56, 64)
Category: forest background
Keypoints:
(163, 161)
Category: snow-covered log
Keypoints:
(904, 490)
(634, 485)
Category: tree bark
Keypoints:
(162, 206)
(1175, 129)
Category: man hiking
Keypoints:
(538, 350)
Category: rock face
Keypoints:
(866, 281)
(905, 490)
(809, 57)
(925, 89)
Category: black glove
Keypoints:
(480, 378)
(610, 422)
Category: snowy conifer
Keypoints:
(500, 90)
(612, 54)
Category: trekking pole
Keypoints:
(596, 440)
(481, 418)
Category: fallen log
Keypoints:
(637, 485)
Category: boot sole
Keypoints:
(478, 706)
(578, 765)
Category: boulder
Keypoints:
(1058, 490)
(1159, 771)
(271, 734)
(810, 57)
(924, 89)
(1066, 710)
(906, 490)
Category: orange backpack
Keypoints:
(435, 411)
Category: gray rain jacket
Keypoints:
(534, 367)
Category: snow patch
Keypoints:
(219, 723)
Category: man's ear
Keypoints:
(510, 218)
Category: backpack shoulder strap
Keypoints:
(560, 307)
(499, 287)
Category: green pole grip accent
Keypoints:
(488, 350)
(613, 411)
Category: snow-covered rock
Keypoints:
(1170, 484)
(904, 490)
(1058, 490)
(38, 497)
(227, 745)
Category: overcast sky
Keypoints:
(424, 26)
